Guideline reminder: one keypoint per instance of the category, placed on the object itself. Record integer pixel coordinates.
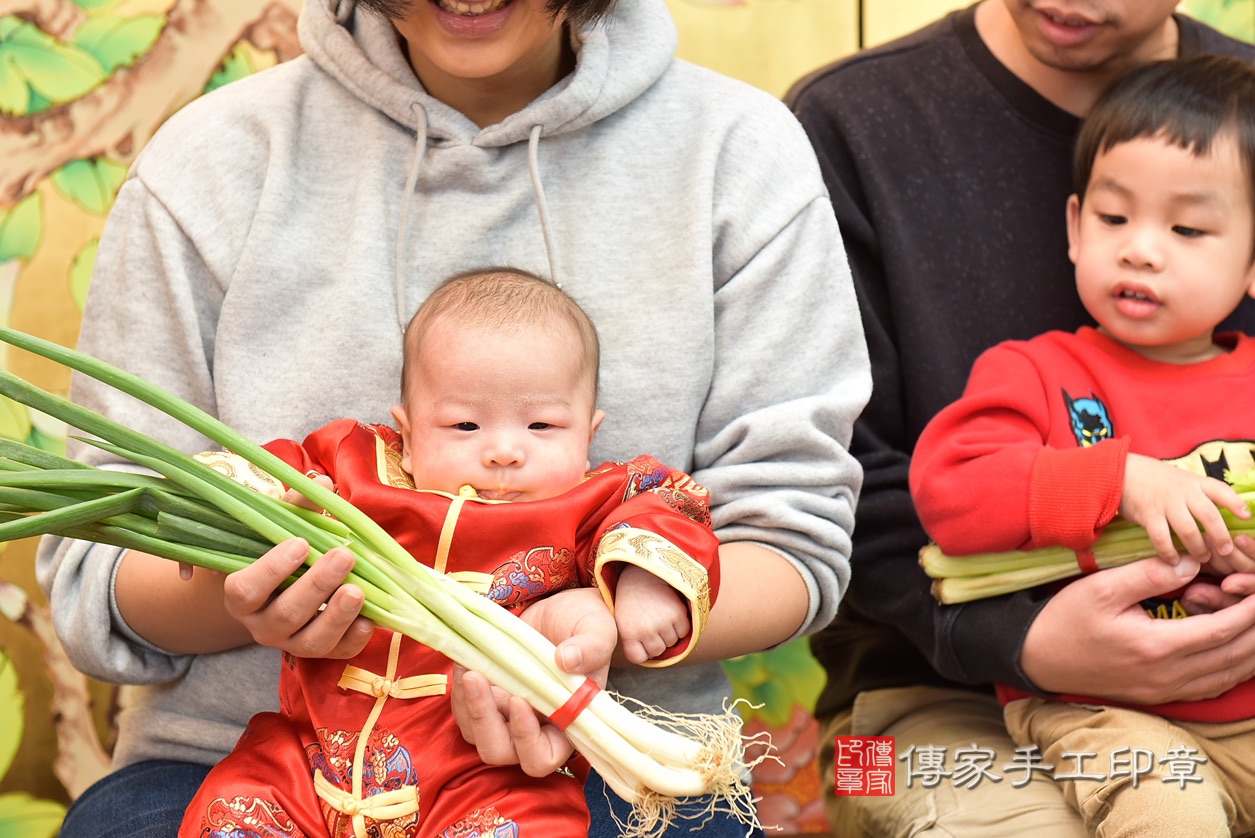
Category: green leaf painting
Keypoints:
(778, 680)
(235, 66)
(22, 816)
(1233, 17)
(21, 228)
(96, 5)
(81, 273)
(15, 421)
(54, 71)
(12, 720)
(37, 103)
(47, 434)
(92, 184)
(117, 41)
(15, 93)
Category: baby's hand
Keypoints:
(651, 616)
(1165, 500)
(294, 497)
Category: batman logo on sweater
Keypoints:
(1091, 423)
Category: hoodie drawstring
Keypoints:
(533, 166)
(420, 151)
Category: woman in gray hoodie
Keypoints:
(274, 237)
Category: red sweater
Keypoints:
(1033, 453)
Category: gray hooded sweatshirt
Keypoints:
(275, 234)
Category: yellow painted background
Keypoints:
(769, 43)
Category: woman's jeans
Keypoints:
(147, 799)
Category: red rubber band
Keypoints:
(564, 715)
(1086, 562)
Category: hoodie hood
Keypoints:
(617, 60)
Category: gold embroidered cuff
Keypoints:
(669, 563)
(242, 471)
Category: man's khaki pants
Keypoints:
(957, 720)
(1192, 778)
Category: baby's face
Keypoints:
(510, 414)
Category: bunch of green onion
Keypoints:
(979, 575)
(197, 515)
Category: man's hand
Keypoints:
(503, 728)
(1238, 585)
(1094, 638)
(1208, 597)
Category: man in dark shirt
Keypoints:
(948, 157)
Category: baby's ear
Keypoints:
(402, 419)
(403, 425)
(598, 415)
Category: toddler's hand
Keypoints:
(651, 616)
(1165, 500)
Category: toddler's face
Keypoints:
(510, 414)
(1163, 244)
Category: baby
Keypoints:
(487, 481)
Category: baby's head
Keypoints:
(498, 390)
(1162, 225)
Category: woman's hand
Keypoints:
(504, 728)
(317, 616)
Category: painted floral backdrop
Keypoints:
(83, 85)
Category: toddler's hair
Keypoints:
(1186, 101)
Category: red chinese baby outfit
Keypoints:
(369, 747)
